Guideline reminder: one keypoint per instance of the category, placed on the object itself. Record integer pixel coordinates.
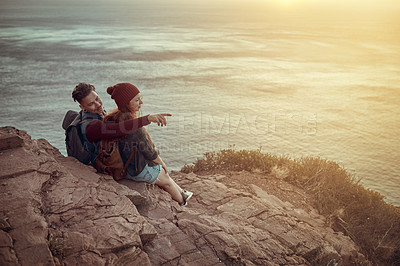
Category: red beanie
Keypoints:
(122, 93)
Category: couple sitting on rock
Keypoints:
(124, 123)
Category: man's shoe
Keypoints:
(186, 195)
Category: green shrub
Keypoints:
(360, 213)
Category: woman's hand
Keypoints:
(160, 119)
(158, 160)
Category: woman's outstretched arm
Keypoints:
(97, 129)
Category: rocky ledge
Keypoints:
(56, 211)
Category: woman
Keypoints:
(146, 165)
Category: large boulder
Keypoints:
(57, 211)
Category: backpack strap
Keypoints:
(129, 159)
(87, 118)
(76, 122)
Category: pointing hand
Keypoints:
(160, 119)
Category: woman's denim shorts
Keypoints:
(148, 175)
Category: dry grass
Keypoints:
(56, 245)
(358, 212)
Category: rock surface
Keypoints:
(56, 211)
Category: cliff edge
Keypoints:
(57, 211)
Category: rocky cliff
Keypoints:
(56, 211)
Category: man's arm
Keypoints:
(97, 130)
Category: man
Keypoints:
(94, 129)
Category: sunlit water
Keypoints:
(313, 88)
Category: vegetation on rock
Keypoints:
(358, 212)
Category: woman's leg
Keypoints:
(169, 185)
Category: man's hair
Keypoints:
(81, 91)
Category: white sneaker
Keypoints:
(186, 195)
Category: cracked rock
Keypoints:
(57, 211)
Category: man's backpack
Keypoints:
(73, 136)
(109, 161)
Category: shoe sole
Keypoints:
(186, 200)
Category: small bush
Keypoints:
(230, 159)
(56, 245)
(362, 214)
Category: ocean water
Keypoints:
(286, 82)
